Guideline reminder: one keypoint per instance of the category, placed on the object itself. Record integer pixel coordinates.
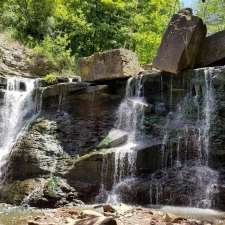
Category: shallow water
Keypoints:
(10, 215)
(215, 216)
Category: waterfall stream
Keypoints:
(184, 171)
(185, 168)
(17, 111)
(130, 119)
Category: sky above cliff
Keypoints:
(189, 3)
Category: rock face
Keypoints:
(181, 43)
(213, 50)
(16, 59)
(117, 63)
(68, 164)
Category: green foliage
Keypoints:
(51, 78)
(213, 13)
(32, 19)
(61, 28)
(57, 52)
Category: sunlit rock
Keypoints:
(113, 64)
(181, 42)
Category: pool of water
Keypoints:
(215, 216)
(10, 215)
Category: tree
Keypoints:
(30, 18)
(91, 25)
(213, 14)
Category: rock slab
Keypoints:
(181, 42)
(114, 139)
(108, 65)
(213, 50)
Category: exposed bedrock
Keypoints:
(213, 50)
(60, 163)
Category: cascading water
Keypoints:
(183, 175)
(185, 169)
(130, 119)
(16, 112)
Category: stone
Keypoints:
(108, 208)
(63, 89)
(213, 50)
(31, 222)
(170, 218)
(181, 43)
(107, 221)
(88, 184)
(90, 213)
(108, 65)
(114, 139)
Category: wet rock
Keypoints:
(181, 43)
(76, 79)
(39, 153)
(62, 79)
(3, 82)
(113, 64)
(88, 184)
(115, 138)
(213, 50)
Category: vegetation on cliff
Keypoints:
(64, 30)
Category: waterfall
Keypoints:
(16, 112)
(130, 119)
(185, 171)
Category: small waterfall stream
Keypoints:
(185, 168)
(184, 173)
(16, 113)
(130, 119)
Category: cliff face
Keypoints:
(62, 146)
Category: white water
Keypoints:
(130, 119)
(16, 112)
(186, 169)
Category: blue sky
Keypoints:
(189, 3)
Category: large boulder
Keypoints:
(117, 63)
(181, 42)
(213, 50)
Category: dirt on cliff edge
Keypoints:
(18, 60)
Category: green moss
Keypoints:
(51, 78)
(93, 153)
(105, 143)
(51, 186)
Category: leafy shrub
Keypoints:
(57, 52)
(51, 78)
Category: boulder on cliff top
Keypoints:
(213, 50)
(108, 65)
(181, 42)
